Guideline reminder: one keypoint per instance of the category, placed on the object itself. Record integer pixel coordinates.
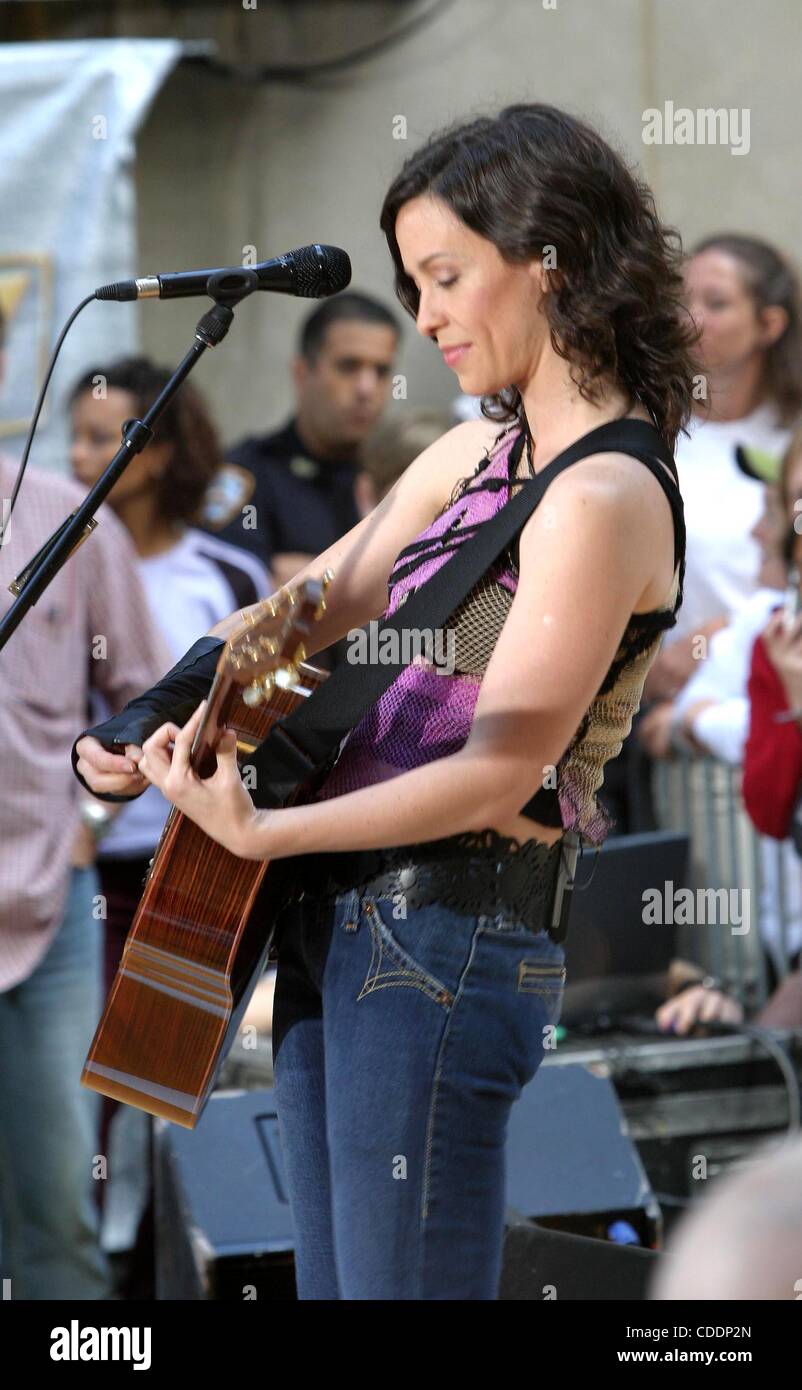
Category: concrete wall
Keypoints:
(224, 164)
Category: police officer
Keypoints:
(288, 495)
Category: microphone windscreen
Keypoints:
(321, 270)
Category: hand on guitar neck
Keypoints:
(196, 767)
(219, 805)
(107, 772)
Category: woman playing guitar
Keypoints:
(420, 957)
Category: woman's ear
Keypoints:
(546, 273)
(773, 323)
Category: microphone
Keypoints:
(311, 272)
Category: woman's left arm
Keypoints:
(585, 560)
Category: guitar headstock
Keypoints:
(268, 648)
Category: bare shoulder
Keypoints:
(619, 474)
(453, 456)
(629, 502)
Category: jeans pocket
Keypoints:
(546, 982)
(391, 963)
(536, 977)
(533, 963)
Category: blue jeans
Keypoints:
(399, 1046)
(48, 1120)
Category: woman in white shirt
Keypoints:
(746, 299)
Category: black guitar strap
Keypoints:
(307, 738)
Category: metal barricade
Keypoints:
(701, 796)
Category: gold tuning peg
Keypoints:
(285, 675)
(258, 691)
(326, 578)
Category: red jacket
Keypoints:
(772, 767)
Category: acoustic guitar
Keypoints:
(202, 932)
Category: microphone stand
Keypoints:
(225, 288)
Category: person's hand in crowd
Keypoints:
(697, 1004)
(85, 842)
(110, 772)
(688, 719)
(653, 731)
(783, 643)
(84, 847)
(285, 565)
(675, 664)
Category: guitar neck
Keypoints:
(267, 647)
(221, 700)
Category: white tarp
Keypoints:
(69, 113)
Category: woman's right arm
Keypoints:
(361, 562)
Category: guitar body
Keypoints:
(195, 951)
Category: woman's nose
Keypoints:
(428, 318)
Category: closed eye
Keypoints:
(442, 284)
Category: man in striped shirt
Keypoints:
(91, 629)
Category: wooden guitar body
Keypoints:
(197, 945)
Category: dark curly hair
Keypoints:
(534, 177)
(770, 279)
(186, 424)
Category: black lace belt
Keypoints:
(477, 872)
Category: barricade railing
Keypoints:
(757, 880)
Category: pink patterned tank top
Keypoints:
(427, 711)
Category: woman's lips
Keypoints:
(452, 355)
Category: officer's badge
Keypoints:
(304, 467)
(230, 489)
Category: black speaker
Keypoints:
(223, 1223)
(540, 1264)
(571, 1163)
(581, 1221)
(224, 1228)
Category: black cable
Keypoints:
(647, 1026)
(780, 1056)
(40, 402)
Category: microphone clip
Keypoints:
(230, 286)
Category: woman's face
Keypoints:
(96, 437)
(470, 295)
(720, 304)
